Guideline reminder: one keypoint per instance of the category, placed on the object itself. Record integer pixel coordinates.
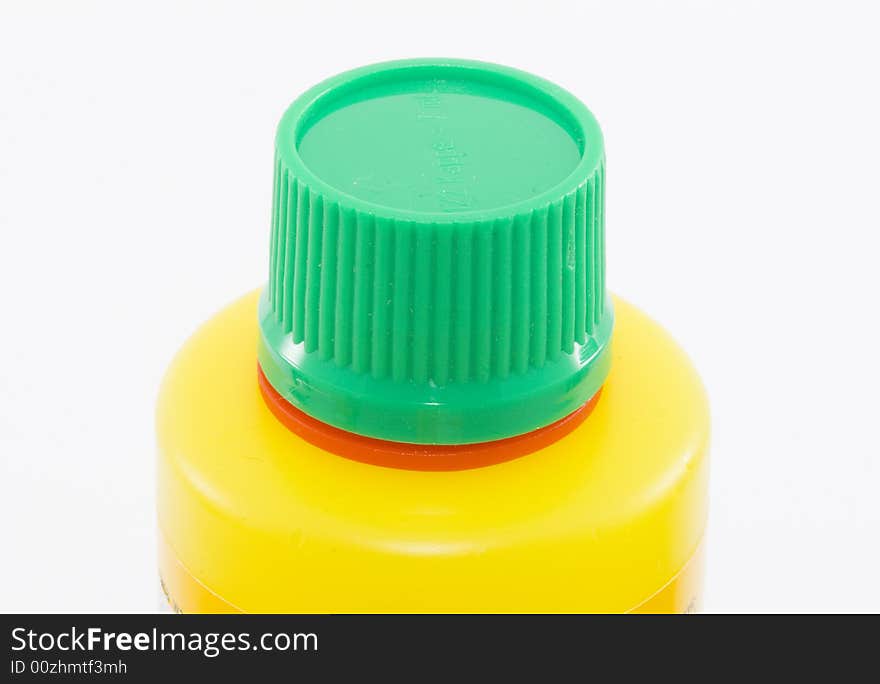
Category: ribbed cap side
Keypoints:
(437, 303)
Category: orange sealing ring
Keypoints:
(406, 456)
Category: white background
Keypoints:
(743, 213)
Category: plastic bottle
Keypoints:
(433, 405)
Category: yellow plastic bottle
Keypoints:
(433, 405)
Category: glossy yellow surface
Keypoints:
(602, 520)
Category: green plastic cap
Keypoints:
(437, 271)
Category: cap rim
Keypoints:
(418, 413)
(290, 130)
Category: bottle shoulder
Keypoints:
(620, 499)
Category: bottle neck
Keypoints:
(424, 457)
